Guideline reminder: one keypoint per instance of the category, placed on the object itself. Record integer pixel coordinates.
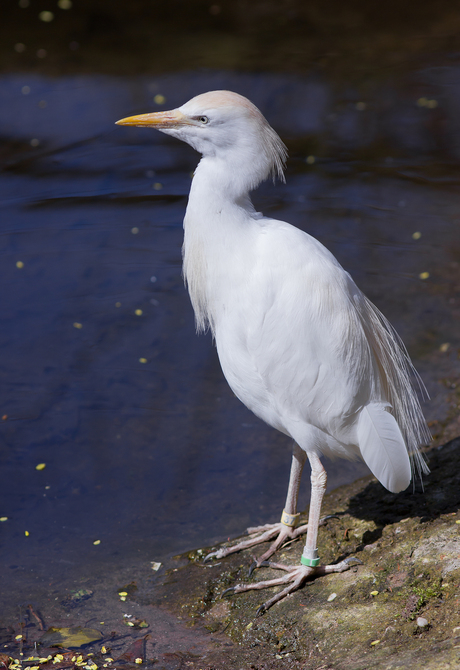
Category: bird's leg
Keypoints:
(309, 566)
(284, 529)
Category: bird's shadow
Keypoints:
(436, 495)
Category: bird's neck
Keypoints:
(221, 184)
(216, 227)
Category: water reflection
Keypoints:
(104, 379)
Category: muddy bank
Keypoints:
(399, 609)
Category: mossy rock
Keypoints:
(409, 544)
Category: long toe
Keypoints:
(268, 532)
(295, 577)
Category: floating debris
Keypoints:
(45, 16)
(40, 466)
(75, 598)
(131, 621)
(76, 636)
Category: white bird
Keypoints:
(298, 342)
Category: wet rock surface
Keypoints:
(399, 609)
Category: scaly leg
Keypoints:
(285, 529)
(297, 575)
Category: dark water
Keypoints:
(146, 449)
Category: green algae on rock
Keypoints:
(410, 547)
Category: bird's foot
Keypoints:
(264, 534)
(285, 535)
(296, 576)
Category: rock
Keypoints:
(421, 622)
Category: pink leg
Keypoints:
(280, 530)
(297, 575)
(318, 488)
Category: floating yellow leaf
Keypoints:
(417, 235)
(40, 466)
(159, 99)
(424, 275)
(138, 312)
(77, 325)
(142, 360)
(26, 533)
(96, 542)
(3, 518)
(75, 636)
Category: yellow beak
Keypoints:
(157, 120)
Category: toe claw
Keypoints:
(252, 567)
(325, 519)
(262, 609)
(353, 559)
(230, 590)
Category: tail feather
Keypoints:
(383, 448)
(396, 371)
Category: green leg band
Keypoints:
(310, 562)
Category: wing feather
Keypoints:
(382, 447)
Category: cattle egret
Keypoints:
(298, 342)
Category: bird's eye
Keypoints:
(203, 119)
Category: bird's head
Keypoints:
(225, 126)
